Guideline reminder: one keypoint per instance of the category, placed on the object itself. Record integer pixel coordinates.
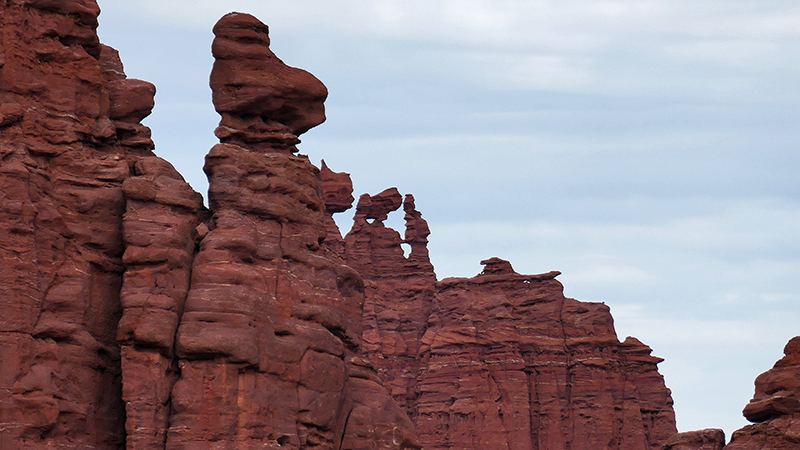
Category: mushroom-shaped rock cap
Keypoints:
(260, 98)
(379, 206)
(496, 266)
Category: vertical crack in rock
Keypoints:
(133, 317)
(273, 315)
(501, 360)
(69, 138)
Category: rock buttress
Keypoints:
(69, 139)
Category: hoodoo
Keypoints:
(133, 316)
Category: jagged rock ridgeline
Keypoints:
(132, 316)
(501, 360)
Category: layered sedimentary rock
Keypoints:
(501, 360)
(774, 411)
(708, 439)
(134, 317)
(269, 338)
(161, 225)
(775, 407)
(69, 138)
(337, 192)
(399, 290)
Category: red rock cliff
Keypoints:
(269, 339)
(133, 317)
(69, 138)
(501, 360)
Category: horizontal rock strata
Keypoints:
(501, 360)
(135, 317)
(775, 407)
(69, 138)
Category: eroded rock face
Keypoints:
(501, 360)
(399, 290)
(709, 439)
(268, 343)
(133, 317)
(775, 407)
(69, 137)
(337, 192)
(161, 225)
(263, 102)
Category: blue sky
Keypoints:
(646, 149)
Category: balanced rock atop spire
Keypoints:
(264, 103)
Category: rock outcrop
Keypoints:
(708, 439)
(135, 317)
(501, 360)
(268, 342)
(774, 410)
(69, 138)
(399, 290)
(775, 407)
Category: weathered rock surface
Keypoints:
(269, 339)
(775, 407)
(399, 290)
(263, 102)
(337, 192)
(69, 138)
(501, 360)
(708, 439)
(133, 317)
(160, 228)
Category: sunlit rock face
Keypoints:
(500, 360)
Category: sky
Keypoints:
(647, 149)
